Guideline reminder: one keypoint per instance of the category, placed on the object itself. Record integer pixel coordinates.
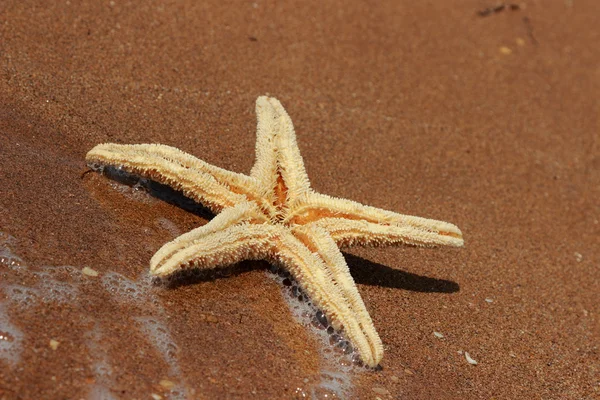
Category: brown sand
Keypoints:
(424, 108)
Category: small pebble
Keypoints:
(54, 344)
(212, 319)
(408, 371)
(394, 379)
(505, 50)
(156, 396)
(89, 272)
(489, 300)
(520, 42)
(438, 335)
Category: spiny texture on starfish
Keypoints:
(274, 215)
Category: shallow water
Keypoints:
(26, 288)
(62, 285)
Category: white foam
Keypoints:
(336, 367)
(100, 392)
(7, 255)
(160, 337)
(123, 289)
(21, 296)
(102, 370)
(59, 271)
(140, 294)
(169, 225)
(61, 285)
(129, 292)
(48, 289)
(338, 383)
(57, 291)
(11, 339)
(52, 287)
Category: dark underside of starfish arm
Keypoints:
(211, 186)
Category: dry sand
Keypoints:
(425, 108)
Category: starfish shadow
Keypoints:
(374, 274)
(363, 271)
(178, 199)
(159, 191)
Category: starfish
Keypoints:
(273, 215)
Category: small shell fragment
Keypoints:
(167, 384)
(438, 335)
(89, 272)
(469, 359)
(380, 390)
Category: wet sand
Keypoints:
(490, 122)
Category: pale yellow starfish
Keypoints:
(274, 215)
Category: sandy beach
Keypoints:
(480, 113)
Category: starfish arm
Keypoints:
(352, 223)
(212, 186)
(319, 240)
(279, 166)
(166, 259)
(347, 233)
(229, 238)
(317, 264)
